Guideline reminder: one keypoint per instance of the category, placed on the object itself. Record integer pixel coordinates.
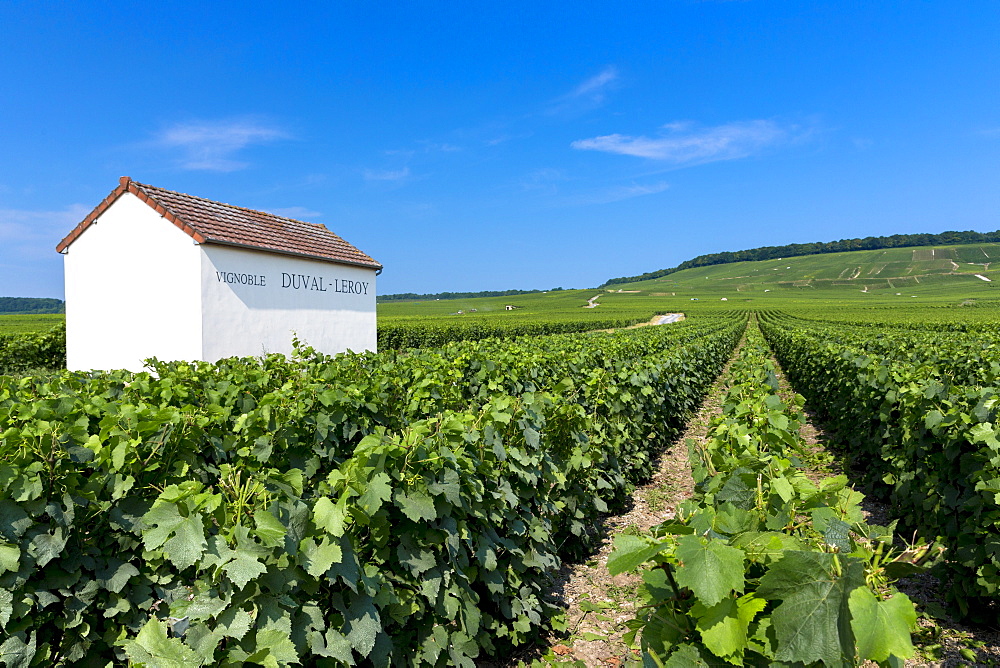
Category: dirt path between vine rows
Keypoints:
(597, 605)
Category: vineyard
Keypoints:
(410, 507)
(23, 352)
(420, 500)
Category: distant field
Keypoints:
(941, 282)
(23, 324)
(562, 305)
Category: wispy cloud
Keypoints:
(628, 192)
(438, 147)
(596, 86)
(545, 174)
(426, 146)
(296, 212)
(35, 234)
(683, 143)
(29, 264)
(214, 145)
(387, 174)
(543, 179)
(592, 92)
(992, 133)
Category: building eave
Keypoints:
(260, 249)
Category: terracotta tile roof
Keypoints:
(209, 222)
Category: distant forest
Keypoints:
(410, 296)
(793, 250)
(20, 305)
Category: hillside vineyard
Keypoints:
(399, 507)
(408, 506)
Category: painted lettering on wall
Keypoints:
(302, 282)
(350, 287)
(298, 282)
(240, 278)
(322, 284)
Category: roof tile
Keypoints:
(214, 222)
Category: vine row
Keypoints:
(765, 566)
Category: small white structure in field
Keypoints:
(156, 273)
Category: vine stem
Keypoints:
(677, 593)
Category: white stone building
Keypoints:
(155, 273)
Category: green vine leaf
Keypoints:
(810, 622)
(709, 568)
(151, 647)
(329, 517)
(882, 628)
(234, 623)
(243, 569)
(416, 505)
(630, 551)
(378, 492)
(363, 624)
(685, 656)
(723, 626)
(6, 607)
(10, 556)
(320, 557)
(181, 538)
(270, 531)
(275, 649)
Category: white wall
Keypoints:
(132, 290)
(254, 302)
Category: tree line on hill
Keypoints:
(31, 305)
(410, 296)
(794, 250)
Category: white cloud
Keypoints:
(29, 264)
(596, 85)
(682, 143)
(387, 174)
(34, 234)
(588, 94)
(18, 226)
(545, 175)
(213, 145)
(992, 133)
(543, 180)
(438, 147)
(296, 212)
(628, 192)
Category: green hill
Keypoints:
(817, 248)
(947, 271)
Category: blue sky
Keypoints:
(475, 146)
